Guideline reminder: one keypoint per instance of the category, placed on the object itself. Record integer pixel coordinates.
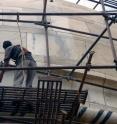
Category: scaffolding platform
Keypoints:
(45, 104)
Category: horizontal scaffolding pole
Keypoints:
(61, 67)
(56, 27)
(58, 14)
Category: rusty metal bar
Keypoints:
(22, 113)
(37, 103)
(50, 103)
(43, 103)
(55, 101)
(76, 103)
(86, 70)
(54, 104)
(42, 97)
(58, 103)
(46, 100)
(50, 100)
(109, 34)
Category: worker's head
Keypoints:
(6, 44)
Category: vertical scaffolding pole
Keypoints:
(109, 34)
(44, 20)
(77, 1)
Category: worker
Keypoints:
(16, 53)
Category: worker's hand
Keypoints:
(0, 79)
(1, 76)
(1, 73)
(1, 64)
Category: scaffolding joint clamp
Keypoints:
(68, 78)
(106, 16)
(88, 65)
(115, 61)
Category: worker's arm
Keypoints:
(1, 76)
(6, 62)
(2, 72)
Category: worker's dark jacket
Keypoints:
(15, 53)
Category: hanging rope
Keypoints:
(19, 30)
(20, 36)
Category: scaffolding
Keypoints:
(110, 18)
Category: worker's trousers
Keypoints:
(30, 74)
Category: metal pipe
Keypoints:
(55, 103)
(56, 27)
(60, 67)
(46, 97)
(90, 48)
(58, 14)
(49, 112)
(41, 115)
(76, 103)
(37, 103)
(109, 34)
(47, 46)
(44, 21)
(58, 100)
(85, 72)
